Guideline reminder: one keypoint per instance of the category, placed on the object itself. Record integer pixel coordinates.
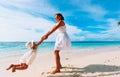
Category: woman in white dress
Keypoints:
(62, 40)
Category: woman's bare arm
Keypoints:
(49, 33)
(61, 23)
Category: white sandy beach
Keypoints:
(94, 62)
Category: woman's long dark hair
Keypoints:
(59, 14)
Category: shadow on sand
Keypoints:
(101, 70)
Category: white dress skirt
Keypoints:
(62, 41)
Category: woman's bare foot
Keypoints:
(10, 67)
(60, 66)
(55, 71)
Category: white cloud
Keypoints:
(114, 30)
(74, 32)
(16, 3)
(20, 26)
(15, 25)
(112, 33)
(39, 6)
(93, 11)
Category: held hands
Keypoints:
(35, 46)
(43, 38)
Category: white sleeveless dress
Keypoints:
(28, 57)
(62, 41)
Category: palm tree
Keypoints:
(119, 23)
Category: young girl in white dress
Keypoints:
(62, 40)
(26, 59)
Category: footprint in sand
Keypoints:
(42, 73)
(107, 61)
(66, 58)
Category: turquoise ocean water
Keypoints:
(17, 48)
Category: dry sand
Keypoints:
(94, 62)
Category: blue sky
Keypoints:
(86, 20)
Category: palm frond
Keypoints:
(119, 23)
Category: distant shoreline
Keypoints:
(71, 41)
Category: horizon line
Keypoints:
(71, 41)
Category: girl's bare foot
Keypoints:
(55, 71)
(10, 67)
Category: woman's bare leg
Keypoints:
(57, 61)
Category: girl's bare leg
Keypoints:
(12, 65)
(21, 67)
(58, 63)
